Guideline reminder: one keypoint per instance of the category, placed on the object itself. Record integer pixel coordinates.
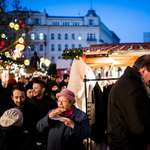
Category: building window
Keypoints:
(32, 36)
(41, 36)
(53, 59)
(90, 22)
(91, 36)
(73, 36)
(73, 46)
(55, 23)
(59, 36)
(59, 47)
(36, 21)
(66, 36)
(59, 57)
(52, 47)
(52, 36)
(74, 23)
(66, 46)
(41, 47)
(80, 45)
(32, 47)
(79, 37)
(65, 23)
(24, 21)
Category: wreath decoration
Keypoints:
(73, 53)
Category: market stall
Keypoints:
(118, 54)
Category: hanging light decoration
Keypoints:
(7, 54)
(42, 60)
(16, 26)
(21, 40)
(26, 62)
(3, 36)
(2, 43)
(11, 24)
(47, 62)
(20, 47)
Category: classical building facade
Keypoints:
(52, 34)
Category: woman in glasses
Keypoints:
(67, 125)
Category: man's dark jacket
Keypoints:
(128, 113)
(43, 105)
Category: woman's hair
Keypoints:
(141, 62)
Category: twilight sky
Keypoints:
(129, 19)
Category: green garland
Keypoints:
(73, 53)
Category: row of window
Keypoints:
(37, 22)
(53, 47)
(41, 36)
(66, 47)
(66, 36)
(33, 47)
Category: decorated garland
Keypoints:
(73, 53)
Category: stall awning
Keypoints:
(118, 54)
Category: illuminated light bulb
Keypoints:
(42, 60)
(16, 26)
(2, 43)
(7, 54)
(3, 36)
(22, 47)
(20, 22)
(21, 40)
(47, 62)
(23, 25)
(26, 62)
(11, 24)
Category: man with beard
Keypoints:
(30, 112)
(40, 100)
(43, 103)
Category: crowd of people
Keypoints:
(28, 111)
(39, 113)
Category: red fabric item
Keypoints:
(84, 58)
(37, 99)
(68, 113)
(11, 80)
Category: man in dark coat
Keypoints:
(30, 112)
(43, 104)
(63, 84)
(129, 108)
(40, 100)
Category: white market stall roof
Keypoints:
(117, 54)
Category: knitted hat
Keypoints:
(67, 93)
(11, 117)
(11, 80)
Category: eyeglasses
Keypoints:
(62, 101)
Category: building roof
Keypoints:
(118, 47)
(116, 54)
(91, 13)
